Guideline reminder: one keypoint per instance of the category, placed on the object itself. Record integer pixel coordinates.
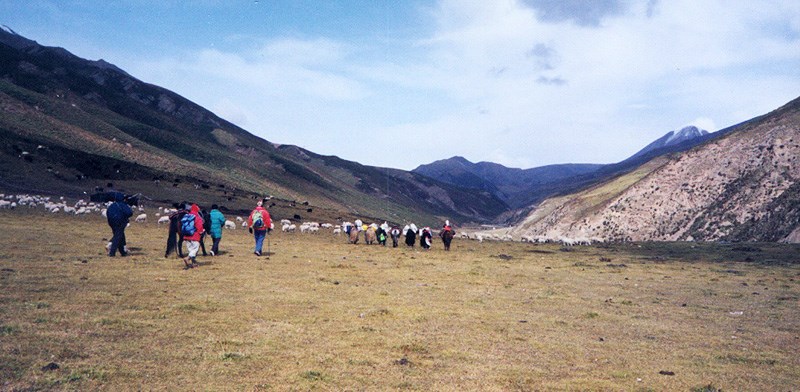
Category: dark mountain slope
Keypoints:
(69, 125)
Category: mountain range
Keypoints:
(520, 188)
(70, 126)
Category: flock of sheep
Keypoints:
(60, 205)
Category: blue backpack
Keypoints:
(258, 219)
(187, 224)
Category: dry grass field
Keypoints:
(320, 314)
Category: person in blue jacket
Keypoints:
(118, 214)
(217, 223)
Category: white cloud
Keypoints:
(494, 82)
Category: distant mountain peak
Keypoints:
(674, 138)
(685, 133)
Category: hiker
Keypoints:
(174, 238)
(192, 230)
(259, 222)
(447, 234)
(118, 214)
(217, 222)
(206, 229)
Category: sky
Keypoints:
(523, 83)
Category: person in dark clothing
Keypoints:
(206, 227)
(174, 238)
(118, 215)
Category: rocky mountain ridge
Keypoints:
(742, 186)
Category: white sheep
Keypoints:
(163, 219)
(244, 223)
(239, 219)
(285, 227)
(230, 225)
(141, 218)
(286, 222)
(337, 231)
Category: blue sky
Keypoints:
(523, 83)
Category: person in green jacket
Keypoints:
(217, 223)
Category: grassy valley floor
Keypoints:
(325, 315)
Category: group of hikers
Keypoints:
(191, 224)
(381, 233)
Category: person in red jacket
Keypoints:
(259, 222)
(192, 237)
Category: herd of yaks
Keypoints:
(60, 205)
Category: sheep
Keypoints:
(230, 225)
(313, 229)
(326, 225)
(286, 222)
(244, 223)
(337, 231)
(163, 219)
(141, 218)
(239, 219)
(285, 227)
(292, 228)
(567, 241)
(5, 204)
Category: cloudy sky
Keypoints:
(523, 83)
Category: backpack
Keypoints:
(258, 220)
(187, 224)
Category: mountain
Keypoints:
(687, 135)
(741, 185)
(516, 187)
(71, 125)
(520, 188)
